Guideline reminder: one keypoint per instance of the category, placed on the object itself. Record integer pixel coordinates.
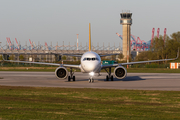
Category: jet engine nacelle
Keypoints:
(120, 72)
(61, 73)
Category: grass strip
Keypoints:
(152, 70)
(129, 70)
(73, 103)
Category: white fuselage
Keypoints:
(90, 62)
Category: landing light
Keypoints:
(91, 73)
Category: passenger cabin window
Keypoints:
(90, 59)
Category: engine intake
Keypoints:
(120, 72)
(61, 73)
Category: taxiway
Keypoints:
(133, 81)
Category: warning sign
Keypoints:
(174, 65)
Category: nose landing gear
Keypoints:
(91, 80)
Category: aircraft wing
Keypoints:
(149, 61)
(43, 63)
(139, 62)
(132, 63)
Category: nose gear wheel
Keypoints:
(91, 80)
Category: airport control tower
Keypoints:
(126, 22)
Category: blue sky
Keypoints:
(60, 20)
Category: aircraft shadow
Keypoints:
(130, 78)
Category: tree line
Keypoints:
(162, 48)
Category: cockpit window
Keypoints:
(90, 59)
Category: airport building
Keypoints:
(126, 22)
(53, 53)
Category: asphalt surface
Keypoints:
(133, 81)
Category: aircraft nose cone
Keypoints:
(90, 67)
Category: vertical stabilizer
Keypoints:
(89, 36)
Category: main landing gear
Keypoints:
(109, 76)
(71, 75)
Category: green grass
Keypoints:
(30, 70)
(70, 103)
(152, 70)
(129, 70)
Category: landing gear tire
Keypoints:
(69, 78)
(112, 78)
(91, 80)
(73, 78)
(107, 78)
(71, 75)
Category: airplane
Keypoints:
(91, 63)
